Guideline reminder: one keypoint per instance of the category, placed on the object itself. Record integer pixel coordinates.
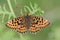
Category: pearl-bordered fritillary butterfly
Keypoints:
(26, 23)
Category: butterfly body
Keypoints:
(27, 23)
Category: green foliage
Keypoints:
(32, 9)
(12, 8)
(7, 15)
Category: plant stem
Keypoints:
(11, 9)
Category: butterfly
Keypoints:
(27, 22)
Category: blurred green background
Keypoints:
(13, 8)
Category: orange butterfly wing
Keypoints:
(37, 23)
(17, 24)
(21, 24)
